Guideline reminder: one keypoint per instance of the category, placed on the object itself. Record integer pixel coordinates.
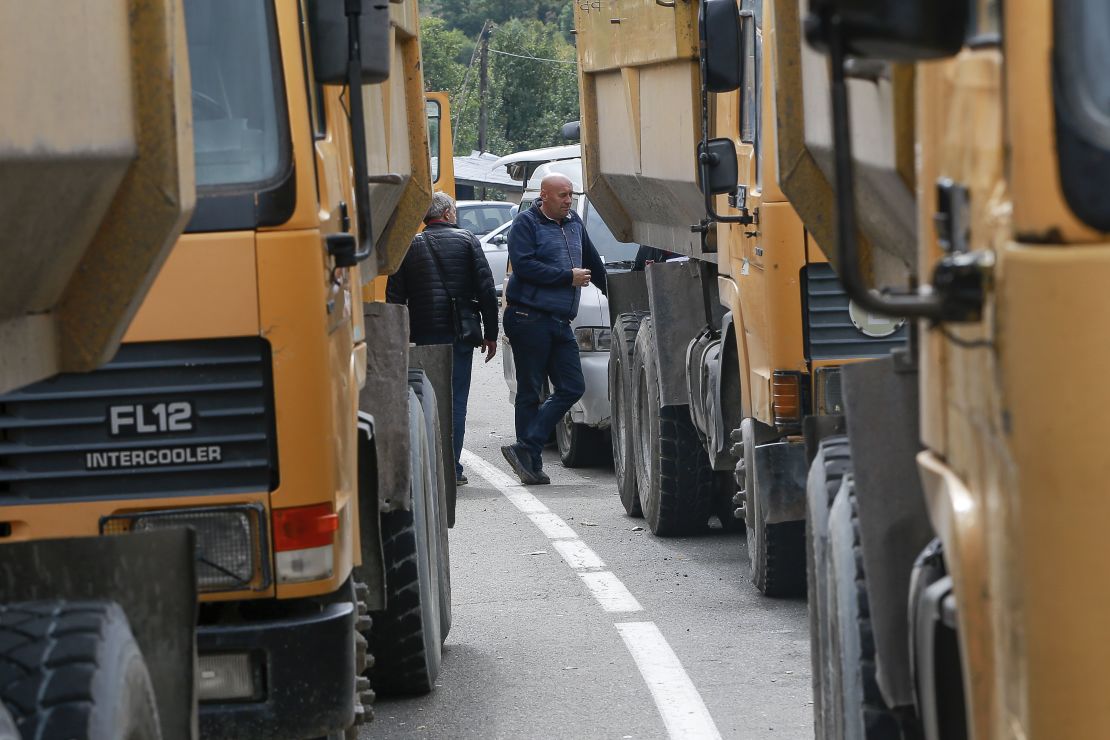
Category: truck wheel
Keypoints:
(723, 505)
(624, 442)
(776, 552)
(851, 691)
(73, 670)
(442, 557)
(406, 640)
(579, 445)
(832, 462)
(673, 476)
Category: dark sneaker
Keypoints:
(541, 477)
(460, 480)
(520, 461)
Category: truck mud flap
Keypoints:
(781, 471)
(385, 398)
(882, 405)
(683, 299)
(626, 292)
(151, 576)
(436, 360)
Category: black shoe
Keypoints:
(541, 477)
(460, 480)
(520, 461)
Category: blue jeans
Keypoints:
(543, 347)
(461, 363)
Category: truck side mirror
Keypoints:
(719, 169)
(327, 27)
(720, 21)
(572, 131)
(894, 30)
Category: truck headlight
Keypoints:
(225, 676)
(828, 399)
(593, 338)
(229, 540)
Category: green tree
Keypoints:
(441, 49)
(537, 89)
(532, 88)
(469, 15)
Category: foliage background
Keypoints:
(528, 99)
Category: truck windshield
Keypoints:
(239, 131)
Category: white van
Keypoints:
(583, 436)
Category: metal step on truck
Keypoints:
(257, 473)
(727, 350)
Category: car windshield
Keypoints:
(484, 218)
(239, 131)
(608, 246)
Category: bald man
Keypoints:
(552, 260)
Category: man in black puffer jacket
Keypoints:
(421, 285)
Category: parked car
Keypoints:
(480, 217)
(495, 245)
(583, 435)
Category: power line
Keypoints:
(535, 59)
(465, 92)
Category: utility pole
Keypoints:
(483, 85)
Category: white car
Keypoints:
(480, 217)
(583, 434)
(495, 245)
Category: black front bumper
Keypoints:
(307, 667)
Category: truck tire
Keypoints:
(776, 552)
(406, 639)
(673, 476)
(849, 687)
(73, 670)
(832, 462)
(579, 445)
(428, 401)
(621, 377)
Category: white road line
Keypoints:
(681, 707)
(552, 526)
(496, 477)
(610, 592)
(683, 711)
(578, 554)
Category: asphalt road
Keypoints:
(533, 652)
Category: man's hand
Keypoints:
(579, 277)
(489, 348)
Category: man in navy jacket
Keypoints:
(552, 258)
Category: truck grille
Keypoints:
(162, 418)
(829, 331)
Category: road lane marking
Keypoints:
(496, 477)
(683, 711)
(676, 698)
(552, 526)
(610, 592)
(578, 554)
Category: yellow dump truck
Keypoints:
(952, 160)
(725, 363)
(96, 184)
(233, 406)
